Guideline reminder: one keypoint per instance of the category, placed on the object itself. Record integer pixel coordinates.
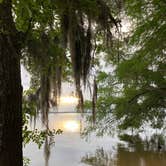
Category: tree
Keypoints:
(143, 72)
(134, 94)
(10, 89)
(22, 22)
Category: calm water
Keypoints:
(69, 149)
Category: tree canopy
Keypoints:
(135, 92)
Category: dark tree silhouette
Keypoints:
(10, 90)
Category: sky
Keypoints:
(67, 88)
(25, 78)
(67, 102)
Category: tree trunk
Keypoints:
(10, 90)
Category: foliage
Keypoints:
(51, 30)
(26, 161)
(134, 93)
(35, 135)
(106, 122)
(143, 74)
(45, 31)
(39, 137)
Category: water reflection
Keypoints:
(69, 122)
(139, 157)
(70, 149)
(49, 141)
(124, 157)
(66, 123)
(99, 158)
(47, 151)
(72, 126)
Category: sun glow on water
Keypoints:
(72, 126)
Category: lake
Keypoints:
(71, 149)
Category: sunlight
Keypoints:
(68, 100)
(71, 126)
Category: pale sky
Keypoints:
(25, 78)
(67, 88)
